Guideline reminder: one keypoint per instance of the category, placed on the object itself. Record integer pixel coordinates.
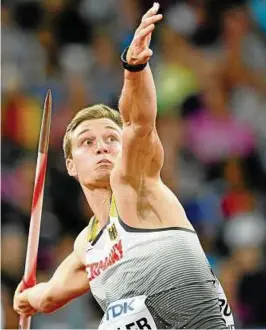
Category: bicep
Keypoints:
(68, 282)
(70, 279)
(142, 152)
(71, 275)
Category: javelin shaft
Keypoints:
(33, 240)
(29, 279)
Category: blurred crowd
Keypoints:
(209, 66)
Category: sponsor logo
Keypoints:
(96, 268)
(119, 309)
(129, 313)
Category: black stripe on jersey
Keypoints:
(100, 233)
(97, 237)
(149, 230)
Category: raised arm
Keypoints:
(68, 282)
(138, 103)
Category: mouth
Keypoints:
(104, 161)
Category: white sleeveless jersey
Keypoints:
(154, 279)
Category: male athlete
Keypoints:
(140, 256)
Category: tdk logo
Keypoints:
(119, 309)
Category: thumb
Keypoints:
(19, 288)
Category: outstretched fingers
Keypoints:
(150, 20)
(139, 51)
(146, 27)
(152, 11)
(144, 33)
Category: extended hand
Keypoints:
(21, 303)
(139, 51)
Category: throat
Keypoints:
(99, 201)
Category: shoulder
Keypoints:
(80, 245)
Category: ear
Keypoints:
(71, 169)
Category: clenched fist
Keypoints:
(139, 51)
(21, 303)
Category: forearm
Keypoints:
(38, 296)
(68, 282)
(138, 99)
(138, 102)
(46, 299)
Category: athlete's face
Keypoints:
(95, 146)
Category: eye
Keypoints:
(87, 142)
(111, 138)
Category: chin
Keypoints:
(101, 180)
(102, 183)
(105, 177)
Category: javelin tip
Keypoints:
(48, 101)
(46, 122)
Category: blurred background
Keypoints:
(209, 66)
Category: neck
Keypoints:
(99, 201)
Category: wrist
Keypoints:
(37, 296)
(128, 66)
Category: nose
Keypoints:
(101, 148)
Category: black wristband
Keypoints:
(129, 67)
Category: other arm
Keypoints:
(68, 282)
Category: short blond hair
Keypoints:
(97, 111)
